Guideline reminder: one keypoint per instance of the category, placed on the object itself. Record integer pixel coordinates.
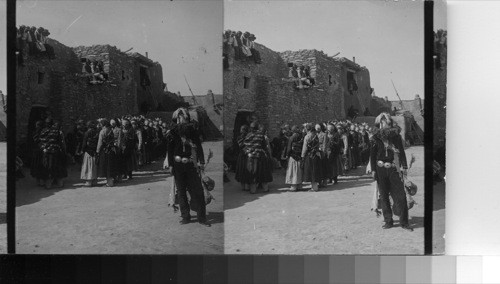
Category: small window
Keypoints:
(330, 80)
(123, 75)
(246, 82)
(41, 76)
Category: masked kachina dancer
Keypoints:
(185, 160)
(387, 153)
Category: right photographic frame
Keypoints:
(324, 128)
(439, 126)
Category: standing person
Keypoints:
(128, 149)
(255, 53)
(247, 54)
(226, 49)
(234, 43)
(333, 148)
(89, 148)
(37, 156)
(71, 141)
(354, 146)
(80, 132)
(322, 137)
(147, 138)
(139, 146)
(293, 151)
(256, 151)
(268, 164)
(186, 159)
(22, 46)
(386, 152)
(287, 133)
(157, 140)
(118, 140)
(44, 35)
(346, 152)
(365, 145)
(311, 155)
(241, 175)
(32, 41)
(54, 154)
(279, 144)
(107, 165)
(239, 47)
(164, 131)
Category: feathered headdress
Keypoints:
(180, 112)
(381, 117)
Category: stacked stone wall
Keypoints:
(58, 86)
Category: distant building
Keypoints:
(415, 107)
(214, 106)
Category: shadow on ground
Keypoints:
(28, 192)
(355, 179)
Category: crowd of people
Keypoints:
(114, 148)
(334, 149)
(32, 41)
(94, 70)
(109, 148)
(319, 153)
(300, 75)
(241, 46)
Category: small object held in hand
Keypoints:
(410, 187)
(208, 183)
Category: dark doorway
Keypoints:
(352, 85)
(144, 76)
(242, 118)
(144, 108)
(37, 113)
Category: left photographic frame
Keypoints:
(3, 129)
(118, 129)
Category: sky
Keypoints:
(185, 37)
(440, 15)
(385, 36)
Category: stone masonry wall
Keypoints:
(95, 52)
(276, 102)
(236, 97)
(153, 93)
(332, 71)
(66, 94)
(328, 76)
(47, 92)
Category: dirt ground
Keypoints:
(335, 220)
(131, 218)
(3, 197)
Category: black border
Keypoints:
(11, 126)
(104, 268)
(428, 123)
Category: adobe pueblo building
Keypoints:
(58, 87)
(259, 91)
